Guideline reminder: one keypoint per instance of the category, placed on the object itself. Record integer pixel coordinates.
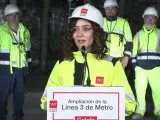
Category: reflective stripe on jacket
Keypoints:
(119, 37)
(63, 75)
(146, 48)
(15, 54)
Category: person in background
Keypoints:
(1, 17)
(119, 36)
(14, 58)
(146, 61)
(83, 44)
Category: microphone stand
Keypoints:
(88, 77)
(86, 65)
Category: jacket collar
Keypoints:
(149, 31)
(7, 28)
(111, 18)
(80, 57)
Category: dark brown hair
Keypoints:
(98, 46)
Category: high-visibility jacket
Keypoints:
(146, 48)
(118, 37)
(14, 53)
(112, 76)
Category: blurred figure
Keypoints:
(146, 61)
(1, 17)
(119, 36)
(14, 58)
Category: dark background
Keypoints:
(46, 19)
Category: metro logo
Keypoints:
(53, 104)
(85, 118)
(99, 80)
(84, 11)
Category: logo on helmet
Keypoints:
(84, 11)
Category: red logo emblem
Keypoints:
(99, 80)
(85, 118)
(53, 104)
(84, 11)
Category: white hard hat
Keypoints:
(150, 11)
(110, 3)
(10, 9)
(88, 12)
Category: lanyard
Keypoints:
(18, 41)
(109, 30)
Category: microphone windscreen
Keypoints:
(83, 48)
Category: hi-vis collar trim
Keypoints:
(84, 11)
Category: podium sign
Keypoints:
(85, 103)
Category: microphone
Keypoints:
(83, 48)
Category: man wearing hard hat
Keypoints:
(14, 59)
(146, 60)
(119, 38)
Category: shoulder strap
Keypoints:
(79, 73)
(105, 24)
(123, 29)
(124, 25)
(159, 34)
(139, 33)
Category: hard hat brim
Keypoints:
(11, 13)
(111, 6)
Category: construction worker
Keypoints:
(84, 43)
(119, 37)
(146, 60)
(14, 58)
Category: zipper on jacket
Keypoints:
(19, 47)
(111, 30)
(84, 73)
(19, 57)
(147, 47)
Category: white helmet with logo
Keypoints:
(150, 11)
(110, 3)
(88, 12)
(10, 9)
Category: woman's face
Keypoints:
(83, 34)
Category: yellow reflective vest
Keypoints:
(63, 75)
(118, 37)
(14, 53)
(146, 48)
